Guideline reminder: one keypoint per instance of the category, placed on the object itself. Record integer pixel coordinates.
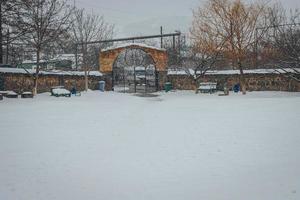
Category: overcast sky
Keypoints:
(137, 17)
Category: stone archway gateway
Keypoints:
(159, 57)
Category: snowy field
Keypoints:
(177, 146)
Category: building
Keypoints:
(64, 62)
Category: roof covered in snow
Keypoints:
(232, 72)
(52, 72)
(132, 44)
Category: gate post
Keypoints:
(2, 82)
(162, 78)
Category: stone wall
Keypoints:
(19, 82)
(254, 82)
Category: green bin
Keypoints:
(168, 86)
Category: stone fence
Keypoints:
(20, 82)
(254, 81)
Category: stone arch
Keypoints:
(108, 56)
(133, 48)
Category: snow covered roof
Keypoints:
(232, 72)
(34, 61)
(132, 44)
(52, 72)
(71, 57)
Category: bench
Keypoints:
(12, 95)
(26, 95)
(4, 93)
(60, 92)
(207, 87)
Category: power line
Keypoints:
(132, 38)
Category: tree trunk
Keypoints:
(134, 79)
(1, 36)
(86, 79)
(196, 85)
(36, 76)
(242, 78)
(145, 80)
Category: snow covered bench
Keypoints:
(4, 93)
(26, 95)
(12, 95)
(207, 87)
(60, 92)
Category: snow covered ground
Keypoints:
(176, 146)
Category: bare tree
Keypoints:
(284, 36)
(10, 37)
(234, 22)
(86, 28)
(207, 46)
(3, 9)
(43, 21)
(8, 10)
(175, 46)
(280, 47)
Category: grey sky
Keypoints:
(136, 17)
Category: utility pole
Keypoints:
(179, 44)
(174, 46)
(161, 38)
(179, 47)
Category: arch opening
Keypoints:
(134, 71)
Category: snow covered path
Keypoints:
(177, 146)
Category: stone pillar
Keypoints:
(162, 79)
(108, 78)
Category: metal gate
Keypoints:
(1, 83)
(134, 71)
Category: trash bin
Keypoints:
(168, 86)
(102, 86)
(236, 88)
(73, 91)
